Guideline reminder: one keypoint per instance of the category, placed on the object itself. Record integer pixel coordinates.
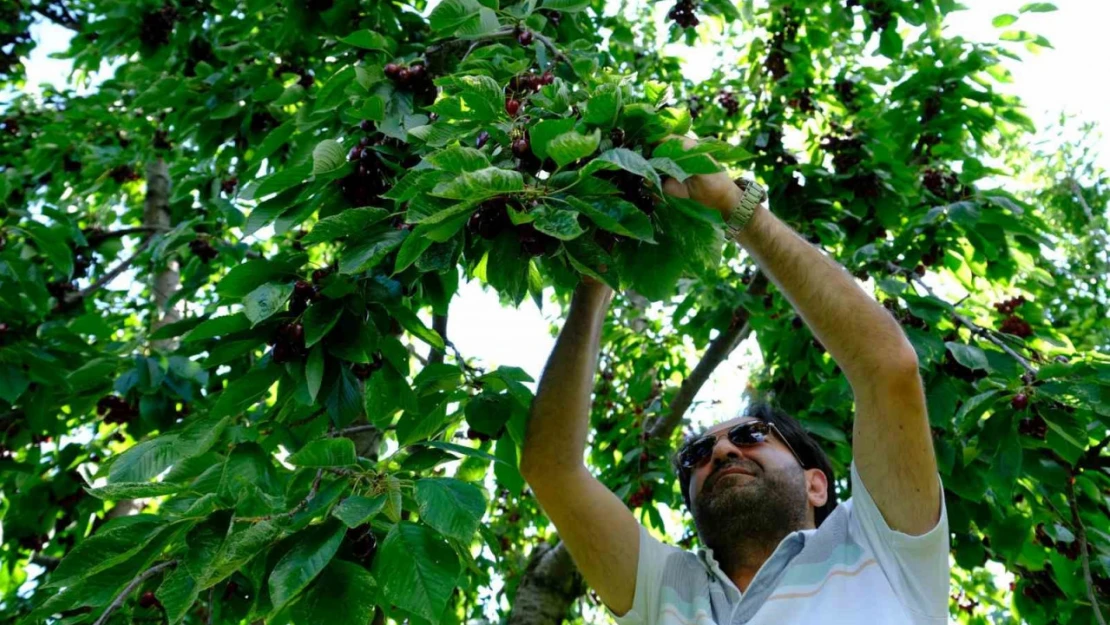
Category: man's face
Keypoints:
(757, 490)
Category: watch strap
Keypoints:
(752, 194)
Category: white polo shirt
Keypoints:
(853, 569)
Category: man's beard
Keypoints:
(740, 515)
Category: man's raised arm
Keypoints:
(598, 529)
(892, 445)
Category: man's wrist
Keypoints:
(751, 196)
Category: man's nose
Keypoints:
(725, 452)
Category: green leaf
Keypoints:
(482, 95)
(566, 6)
(489, 412)
(355, 510)
(972, 408)
(969, 356)
(261, 303)
(1004, 20)
(345, 402)
(218, 326)
(418, 570)
(627, 160)
(238, 549)
(343, 593)
(1038, 7)
(327, 157)
(319, 319)
(313, 550)
(478, 185)
(616, 215)
(559, 223)
(413, 324)
(450, 14)
(890, 42)
(134, 490)
(369, 40)
(278, 137)
(366, 254)
(13, 382)
(326, 452)
(241, 393)
(453, 507)
(459, 160)
(113, 544)
(589, 258)
(603, 106)
(284, 179)
(52, 244)
(177, 594)
(545, 131)
(352, 221)
(248, 276)
(571, 146)
(314, 371)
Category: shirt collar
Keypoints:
(797, 538)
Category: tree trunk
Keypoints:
(552, 582)
(156, 218)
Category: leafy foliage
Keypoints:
(288, 189)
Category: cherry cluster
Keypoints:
(728, 100)
(1007, 307)
(413, 78)
(34, 543)
(115, 409)
(1017, 326)
(475, 435)
(156, 26)
(123, 173)
(847, 152)
(491, 218)
(1040, 586)
(524, 37)
(364, 370)
(880, 14)
(363, 544)
(81, 264)
(803, 101)
(303, 294)
(632, 188)
(1019, 401)
(228, 185)
(521, 84)
(933, 256)
(60, 289)
(640, 496)
(288, 343)
(682, 13)
(1034, 426)
(953, 368)
(904, 316)
(368, 182)
(846, 90)
(148, 600)
(202, 249)
(1069, 550)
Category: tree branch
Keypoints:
(46, 562)
(1084, 554)
(111, 275)
(62, 18)
(95, 238)
(439, 324)
(154, 570)
(352, 430)
(976, 329)
(717, 352)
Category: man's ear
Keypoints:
(817, 487)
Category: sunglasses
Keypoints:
(696, 453)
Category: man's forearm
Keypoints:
(559, 421)
(861, 336)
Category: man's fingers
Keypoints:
(675, 188)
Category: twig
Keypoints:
(46, 562)
(551, 46)
(154, 570)
(976, 329)
(351, 430)
(97, 237)
(439, 324)
(297, 508)
(62, 18)
(1081, 536)
(111, 275)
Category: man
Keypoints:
(779, 549)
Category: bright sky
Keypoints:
(1061, 80)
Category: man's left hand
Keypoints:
(716, 191)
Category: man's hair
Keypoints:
(806, 447)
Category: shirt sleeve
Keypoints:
(653, 556)
(916, 566)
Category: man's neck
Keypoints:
(743, 559)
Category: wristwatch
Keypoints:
(752, 194)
